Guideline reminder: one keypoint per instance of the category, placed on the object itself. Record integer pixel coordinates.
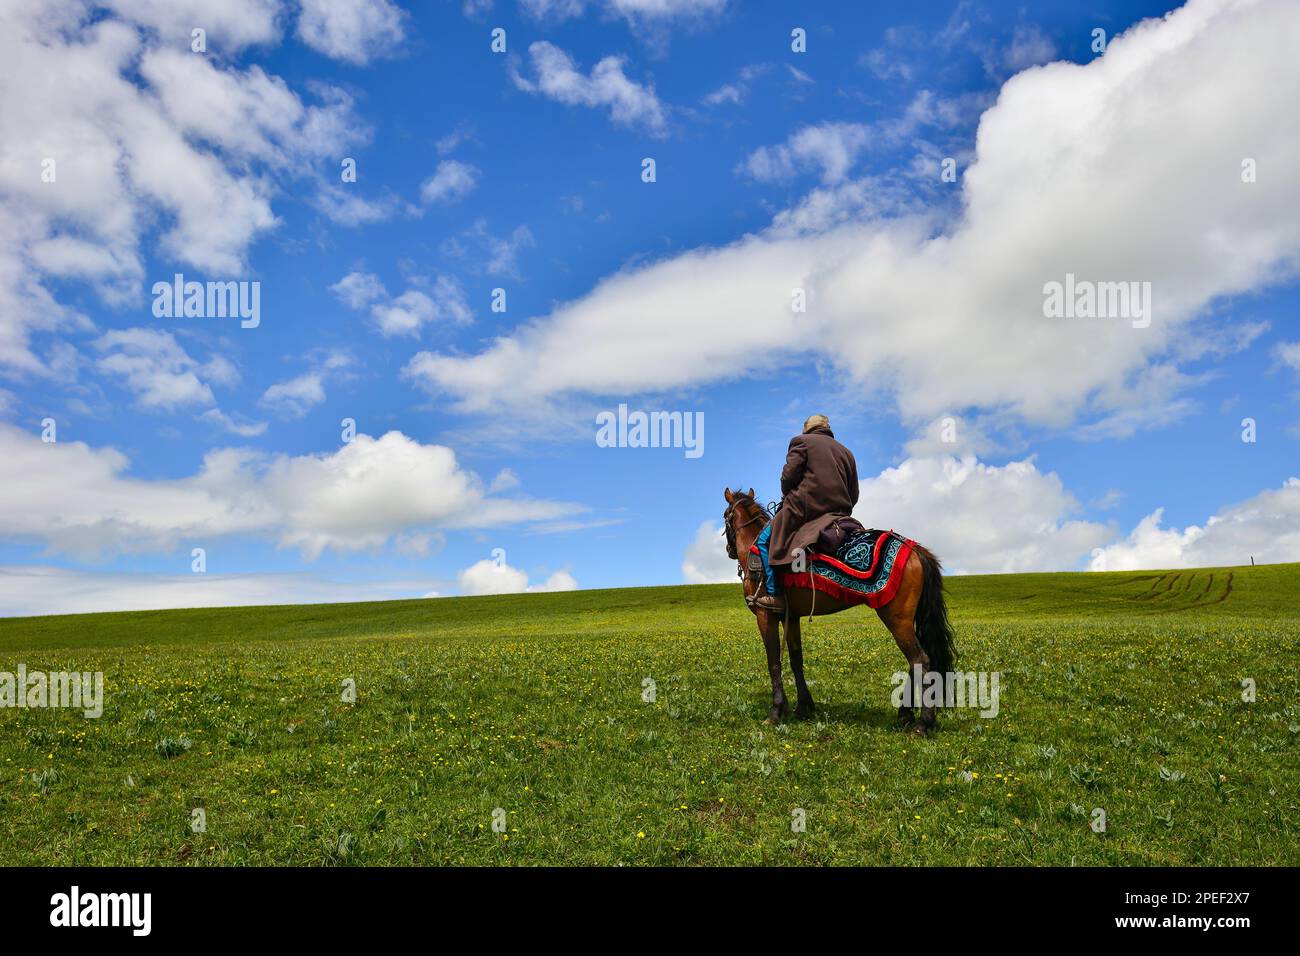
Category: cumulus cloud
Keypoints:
(407, 313)
(1029, 47)
(441, 299)
(82, 86)
(232, 25)
(359, 289)
(556, 76)
(488, 253)
(81, 500)
(497, 577)
(943, 315)
(978, 518)
(636, 12)
(152, 364)
(737, 91)
(32, 590)
(294, 397)
(355, 31)
(1288, 353)
(982, 518)
(451, 182)
(1265, 527)
(240, 425)
(705, 560)
(831, 148)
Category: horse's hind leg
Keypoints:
(805, 707)
(899, 616)
(905, 636)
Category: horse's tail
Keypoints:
(931, 622)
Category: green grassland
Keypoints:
(1119, 691)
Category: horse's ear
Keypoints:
(751, 492)
(726, 493)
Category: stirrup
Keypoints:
(772, 603)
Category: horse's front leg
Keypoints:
(804, 706)
(770, 627)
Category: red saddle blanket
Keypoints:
(866, 570)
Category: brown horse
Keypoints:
(916, 616)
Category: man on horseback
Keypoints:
(819, 484)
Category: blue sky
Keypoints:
(1083, 443)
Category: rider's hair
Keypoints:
(816, 421)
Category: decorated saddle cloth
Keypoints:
(867, 569)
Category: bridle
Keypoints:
(762, 515)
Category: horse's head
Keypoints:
(744, 518)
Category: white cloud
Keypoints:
(737, 91)
(492, 577)
(1265, 527)
(1013, 518)
(358, 289)
(440, 300)
(1288, 353)
(557, 77)
(951, 435)
(831, 148)
(705, 560)
(887, 65)
(230, 25)
(248, 113)
(451, 182)
(950, 316)
(162, 375)
(636, 12)
(355, 31)
(495, 256)
(982, 518)
(1029, 47)
(296, 396)
(32, 590)
(342, 205)
(406, 314)
(83, 90)
(81, 500)
(234, 424)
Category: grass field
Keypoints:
(1118, 691)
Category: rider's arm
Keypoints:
(796, 459)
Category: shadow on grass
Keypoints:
(847, 712)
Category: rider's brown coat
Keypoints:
(819, 483)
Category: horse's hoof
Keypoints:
(922, 730)
(805, 711)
